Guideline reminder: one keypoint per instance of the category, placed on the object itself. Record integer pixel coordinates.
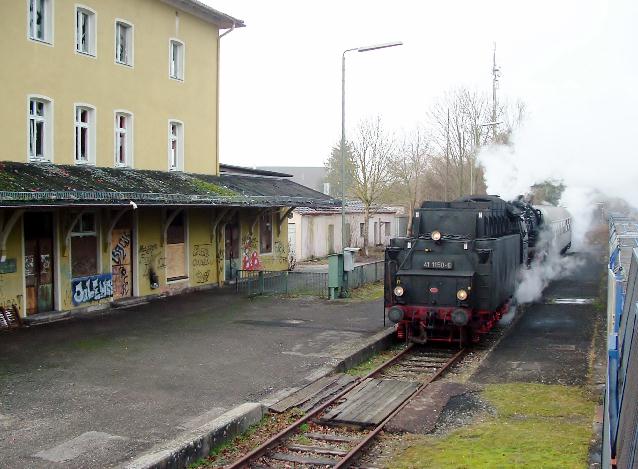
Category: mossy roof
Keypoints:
(48, 184)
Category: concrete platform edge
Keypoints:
(191, 446)
(374, 344)
(196, 444)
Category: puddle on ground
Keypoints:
(569, 301)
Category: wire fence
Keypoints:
(269, 282)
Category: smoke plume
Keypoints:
(548, 265)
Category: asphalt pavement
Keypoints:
(98, 392)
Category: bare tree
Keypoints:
(458, 126)
(372, 151)
(409, 168)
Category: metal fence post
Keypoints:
(260, 279)
(286, 280)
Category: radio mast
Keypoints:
(495, 75)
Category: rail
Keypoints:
(275, 441)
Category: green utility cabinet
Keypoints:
(335, 275)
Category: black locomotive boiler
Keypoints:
(454, 278)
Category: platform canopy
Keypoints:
(46, 184)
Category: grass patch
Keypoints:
(367, 292)
(535, 426)
(373, 362)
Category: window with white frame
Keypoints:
(123, 43)
(176, 59)
(39, 129)
(175, 146)
(84, 135)
(123, 139)
(85, 27)
(40, 24)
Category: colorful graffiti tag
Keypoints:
(94, 288)
(250, 258)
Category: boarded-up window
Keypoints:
(265, 232)
(176, 249)
(84, 247)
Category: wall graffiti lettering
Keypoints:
(119, 252)
(150, 259)
(121, 263)
(202, 262)
(250, 257)
(94, 288)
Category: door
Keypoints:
(38, 261)
(231, 250)
(121, 265)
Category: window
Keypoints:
(84, 135)
(265, 232)
(176, 60)
(85, 26)
(84, 247)
(40, 123)
(387, 228)
(40, 24)
(123, 139)
(362, 227)
(123, 43)
(175, 146)
(176, 248)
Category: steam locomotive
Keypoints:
(455, 276)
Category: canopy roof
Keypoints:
(29, 184)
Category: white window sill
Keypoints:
(181, 80)
(39, 160)
(124, 64)
(178, 170)
(44, 42)
(86, 54)
(84, 163)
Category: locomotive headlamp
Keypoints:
(398, 290)
(395, 314)
(436, 235)
(461, 295)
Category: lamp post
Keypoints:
(343, 129)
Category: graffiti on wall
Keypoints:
(249, 253)
(121, 263)
(150, 259)
(202, 262)
(93, 288)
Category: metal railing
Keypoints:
(290, 282)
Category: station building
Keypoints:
(110, 182)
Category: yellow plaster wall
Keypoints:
(150, 254)
(202, 248)
(202, 251)
(278, 258)
(145, 89)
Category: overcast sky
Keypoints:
(281, 75)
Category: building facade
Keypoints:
(110, 186)
(316, 232)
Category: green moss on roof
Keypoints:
(211, 188)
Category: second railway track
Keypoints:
(335, 433)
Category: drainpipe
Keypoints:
(232, 28)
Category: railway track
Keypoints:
(319, 439)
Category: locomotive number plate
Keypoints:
(443, 265)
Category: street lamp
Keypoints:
(343, 129)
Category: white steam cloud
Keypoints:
(547, 266)
(583, 112)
